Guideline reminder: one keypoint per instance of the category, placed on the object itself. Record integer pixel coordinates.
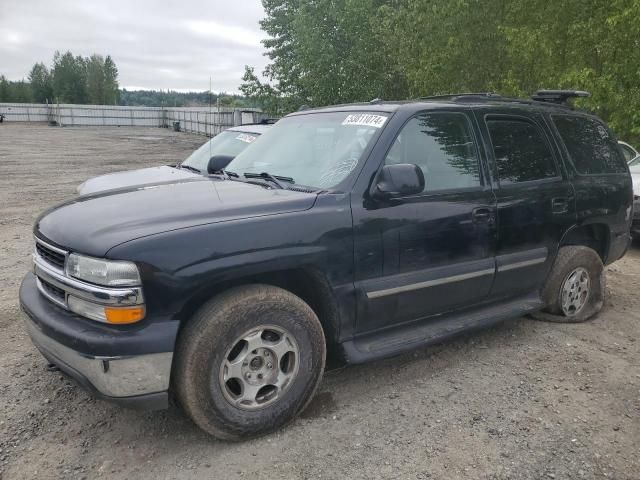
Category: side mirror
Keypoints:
(399, 180)
(218, 162)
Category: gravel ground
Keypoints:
(524, 400)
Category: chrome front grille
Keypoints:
(53, 290)
(52, 255)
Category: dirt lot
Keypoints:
(524, 400)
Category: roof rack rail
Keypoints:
(462, 96)
(557, 96)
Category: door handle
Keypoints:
(482, 215)
(559, 205)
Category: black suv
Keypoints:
(352, 232)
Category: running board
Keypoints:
(434, 330)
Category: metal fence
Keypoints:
(200, 120)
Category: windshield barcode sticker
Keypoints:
(243, 137)
(365, 119)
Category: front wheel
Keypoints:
(575, 288)
(249, 361)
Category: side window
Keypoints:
(441, 144)
(591, 147)
(520, 150)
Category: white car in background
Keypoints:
(628, 151)
(634, 168)
(226, 144)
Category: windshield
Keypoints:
(318, 150)
(635, 162)
(228, 142)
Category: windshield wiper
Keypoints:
(189, 167)
(273, 178)
(229, 174)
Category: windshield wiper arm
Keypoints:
(274, 178)
(229, 174)
(189, 167)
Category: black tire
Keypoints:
(568, 260)
(208, 336)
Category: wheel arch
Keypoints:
(596, 236)
(308, 283)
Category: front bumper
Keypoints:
(136, 380)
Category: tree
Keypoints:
(40, 79)
(5, 94)
(263, 95)
(327, 51)
(69, 78)
(111, 91)
(20, 92)
(96, 80)
(334, 51)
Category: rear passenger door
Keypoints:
(535, 200)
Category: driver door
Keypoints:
(432, 252)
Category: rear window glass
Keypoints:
(521, 152)
(592, 149)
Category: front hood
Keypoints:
(93, 224)
(135, 178)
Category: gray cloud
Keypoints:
(157, 44)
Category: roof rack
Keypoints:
(557, 96)
(464, 96)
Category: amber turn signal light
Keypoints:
(122, 316)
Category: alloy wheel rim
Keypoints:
(259, 367)
(575, 292)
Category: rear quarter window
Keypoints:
(591, 147)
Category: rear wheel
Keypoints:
(249, 361)
(575, 288)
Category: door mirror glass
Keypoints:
(399, 180)
(218, 162)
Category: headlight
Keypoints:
(103, 272)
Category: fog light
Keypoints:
(105, 314)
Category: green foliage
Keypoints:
(332, 51)
(17, 92)
(71, 80)
(5, 89)
(262, 94)
(169, 98)
(96, 79)
(111, 91)
(41, 86)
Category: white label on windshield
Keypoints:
(244, 137)
(366, 119)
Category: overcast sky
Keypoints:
(156, 44)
